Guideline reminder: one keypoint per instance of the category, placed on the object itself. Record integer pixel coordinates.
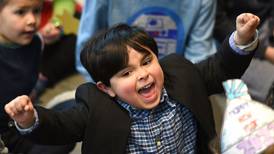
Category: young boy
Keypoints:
(20, 49)
(153, 107)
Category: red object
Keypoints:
(78, 8)
(46, 13)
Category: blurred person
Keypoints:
(20, 51)
(58, 58)
(19, 59)
(183, 27)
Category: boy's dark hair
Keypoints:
(2, 3)
(106, 53)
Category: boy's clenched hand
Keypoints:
(246, 24)
(21, 110)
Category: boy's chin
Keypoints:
(150, 105)
(24, 42)
(24, 39)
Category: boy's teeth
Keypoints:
(147, 86)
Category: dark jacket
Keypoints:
(104, 126)
(18, 74)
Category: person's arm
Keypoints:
(52, 31)
(94, 18)
(267, 50)
(37, 124)
(22, 111)
(233, 57)
(200, 43)
(269, 54)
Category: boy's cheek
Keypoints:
(129, 88)
(124, 88)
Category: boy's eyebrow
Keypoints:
(123, 69)
(143, 58)
(26, 7)
(147, 54)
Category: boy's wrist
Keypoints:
(243, 50)
(246, 45)
(26, 125)
(242, 42)
(28, 128)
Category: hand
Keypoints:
(246, 24)
(269, 54)
(50, 33)
(21, 110)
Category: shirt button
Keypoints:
(158, 143)
(10, 123)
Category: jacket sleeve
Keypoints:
(65, 126)
(225, 64)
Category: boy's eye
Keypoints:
(147, 60)
(37, 10)
(126, 73)
(20, 12)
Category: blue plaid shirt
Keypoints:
(168, 128)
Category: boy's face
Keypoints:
(19, 20)
(140, 83)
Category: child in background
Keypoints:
(51, 26)
(140, 105)
(20, 51)
(58, 57)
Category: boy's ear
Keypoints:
(100, 85)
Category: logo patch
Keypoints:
(164, 26)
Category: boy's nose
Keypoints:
(31, 19)
(143, 74)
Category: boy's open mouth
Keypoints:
(29, 33)
(146, 90)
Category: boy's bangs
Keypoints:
(115, 59)
(140, 49)
(112, 59)
(2, 4)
